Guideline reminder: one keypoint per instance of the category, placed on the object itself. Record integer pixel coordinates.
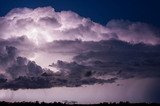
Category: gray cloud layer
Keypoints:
(121, 49)
(115, 58)
(19, 72)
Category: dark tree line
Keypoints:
(71, 104)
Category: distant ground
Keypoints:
(71, 104)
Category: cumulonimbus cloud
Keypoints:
(67, 25)
(121, 49)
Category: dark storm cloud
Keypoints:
(23, 67)
(15, 71)
(121, 49)
(7, 56)
(119, 59)
(113, 57)
(19, 72)
(15, 66)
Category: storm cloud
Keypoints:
(36, 42)
(119, 59)
(67, 25)
(19, 72)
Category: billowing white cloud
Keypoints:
(44, 24)
(134, 32)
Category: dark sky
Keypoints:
(100, 11)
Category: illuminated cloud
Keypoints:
(43, 25)
(42, 48)
(19, 72)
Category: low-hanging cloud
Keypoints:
(121, 49)
(19, 72)
(119, 59)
